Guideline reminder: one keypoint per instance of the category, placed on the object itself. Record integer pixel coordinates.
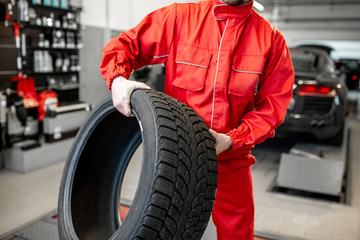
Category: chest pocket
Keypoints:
(192, 64)
(245, 74)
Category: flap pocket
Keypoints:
(192, 64)
(245, 74)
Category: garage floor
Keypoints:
(306, 218)
(26, 198)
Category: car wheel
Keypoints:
(177, 185)
(338, 138)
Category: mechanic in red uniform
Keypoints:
(232, 67)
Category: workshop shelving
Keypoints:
(52, 34)
(41, 43)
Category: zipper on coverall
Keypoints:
(217, 65)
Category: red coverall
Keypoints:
(233, 68)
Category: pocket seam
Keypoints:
(192, 64)
(246, 71)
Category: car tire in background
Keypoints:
(177, 185)
(338, 138)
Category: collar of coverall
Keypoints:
(222, 11)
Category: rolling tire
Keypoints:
(177, 185)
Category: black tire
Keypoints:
(177, 185)
(338, 138)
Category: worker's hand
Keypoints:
(121, 90)
(222, 141)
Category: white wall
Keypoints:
(296, 35)
(335, 22)
(316, 22)
(97, 19)
(119, 14)
(94, 13)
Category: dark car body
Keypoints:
(319, 102)
(351, 67)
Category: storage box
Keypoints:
(29, 155)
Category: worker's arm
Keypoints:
(148, 43)
(272, 98)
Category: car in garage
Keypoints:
(319, 102)
(347, 65)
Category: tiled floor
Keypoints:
(25, 198)
(306, 218)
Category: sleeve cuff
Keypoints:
(113, 74)
(237, 136)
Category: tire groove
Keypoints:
(181, 139)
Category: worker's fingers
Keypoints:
(126, 106)
(141, 85)
(121, 90)
(222, 141)
(121, 104)
(213, 133)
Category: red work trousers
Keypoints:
(233, 212)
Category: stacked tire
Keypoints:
(177, 185)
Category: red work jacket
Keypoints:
(227, 63)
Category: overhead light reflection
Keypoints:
(258, 6)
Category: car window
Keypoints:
(309, 61)
(325, 64)
(303, 61)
